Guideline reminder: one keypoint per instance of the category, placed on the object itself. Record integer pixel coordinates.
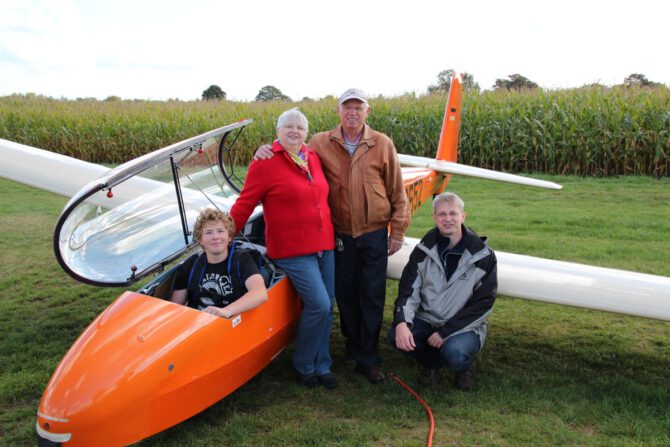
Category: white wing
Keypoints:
(448, 167)
(571, 284)
(46, 170)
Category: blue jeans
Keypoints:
(360, 289)
(313, 277)
(456, 353)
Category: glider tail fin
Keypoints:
(448, 147)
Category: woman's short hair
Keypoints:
(213, 215)
(448, 197)
(292, 115)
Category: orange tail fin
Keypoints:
(448, 148)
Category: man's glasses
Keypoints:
(451, 214)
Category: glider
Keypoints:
(145, 364)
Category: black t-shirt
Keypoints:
(214, 284)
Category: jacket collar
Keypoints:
(476, 248)
(471, 240)
(443, 243)
(368, 137)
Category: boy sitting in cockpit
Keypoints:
(221, 280)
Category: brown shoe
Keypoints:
(374, 374)
(465, 380)
(429, 376)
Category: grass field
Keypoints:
(548, 375)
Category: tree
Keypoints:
(213, 92)
(638, 80)
(515, 82)
(271, 93)
(469, 82)
(444, 81)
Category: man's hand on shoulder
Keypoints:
(264, 152)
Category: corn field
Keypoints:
(593, 131)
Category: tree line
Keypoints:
(513, 82)
(267, 93)
(519, 82)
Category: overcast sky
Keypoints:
(161, 49)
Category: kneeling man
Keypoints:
(446, 293)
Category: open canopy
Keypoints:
(139, 217)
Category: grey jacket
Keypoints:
(464, 302)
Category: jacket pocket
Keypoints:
(377, 204)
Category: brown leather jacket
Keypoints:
(366, 190)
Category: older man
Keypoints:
(366, 197)
(445, 296)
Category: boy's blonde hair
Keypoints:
(213, 215)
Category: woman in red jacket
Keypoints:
(299, 236)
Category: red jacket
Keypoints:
(296, 212)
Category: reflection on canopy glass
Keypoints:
(140, 215)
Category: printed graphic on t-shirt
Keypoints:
(215, 289)
(213, 284)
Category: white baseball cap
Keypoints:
(353, 93)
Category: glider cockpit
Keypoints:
(139, 216)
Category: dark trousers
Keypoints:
(360, 290)
(456, 353)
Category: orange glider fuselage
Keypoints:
(146, 364)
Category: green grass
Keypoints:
(549, 375)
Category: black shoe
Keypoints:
(465, 380)
(374, 374)
(328, 380)
(429, 376)
(308, 380)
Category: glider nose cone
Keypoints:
(103, 390)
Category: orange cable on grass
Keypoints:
(428, 410)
